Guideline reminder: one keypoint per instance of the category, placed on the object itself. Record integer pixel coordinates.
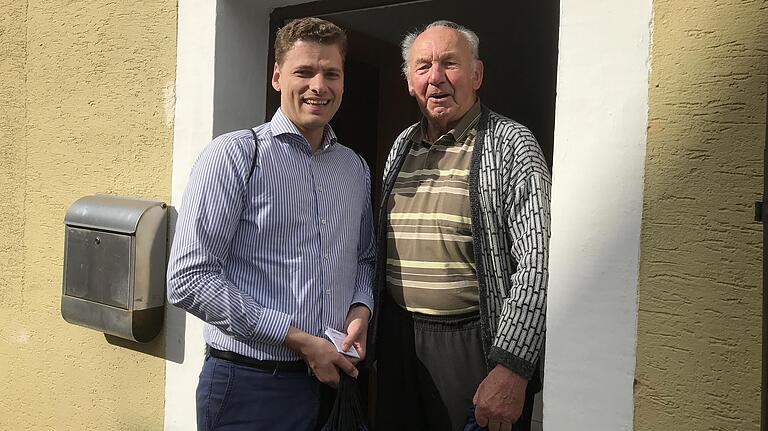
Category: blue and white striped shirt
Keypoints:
(292, 246)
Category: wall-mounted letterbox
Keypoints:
(114, 265)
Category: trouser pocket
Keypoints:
(213, 392)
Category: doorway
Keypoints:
(518, 45)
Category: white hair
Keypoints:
(469, 35)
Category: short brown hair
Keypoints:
(309, 30)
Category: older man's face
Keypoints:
(443, 76)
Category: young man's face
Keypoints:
(443, 74)
(310, 81)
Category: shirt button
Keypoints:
(327, 291)
(326, 256)
(320, 189)
(323, 220)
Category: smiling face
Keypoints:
(443, 76)
(310, 80)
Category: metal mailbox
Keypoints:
(114, 265)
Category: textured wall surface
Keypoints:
(87, 93)
(698, 353)
(12, 153)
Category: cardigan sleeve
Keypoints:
(526, 224)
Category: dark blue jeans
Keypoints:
(233, 397)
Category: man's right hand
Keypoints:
(321, 356)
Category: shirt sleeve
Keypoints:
(366, 250)
(526, 206)
(208, 219)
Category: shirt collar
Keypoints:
(281, 125)
(458, 133)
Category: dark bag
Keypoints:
(347, 413)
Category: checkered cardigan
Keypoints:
(509, 193)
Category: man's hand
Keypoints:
(356, 327)
(321, 356)
(499, 399)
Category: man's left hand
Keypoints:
(499, 399)
(356, 327)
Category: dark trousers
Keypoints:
(428, 369)
(234, 397)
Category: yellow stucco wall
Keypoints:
(87, 107)
(12, 154)
(699, 327)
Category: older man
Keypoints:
(274, 244)
(463, 254)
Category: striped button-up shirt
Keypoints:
(290, 246)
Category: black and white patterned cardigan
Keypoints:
(510, 203)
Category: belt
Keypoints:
(289, 366)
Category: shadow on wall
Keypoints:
(169, 344)
(699, 285)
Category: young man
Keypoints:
(463, 252)
(274, 244)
